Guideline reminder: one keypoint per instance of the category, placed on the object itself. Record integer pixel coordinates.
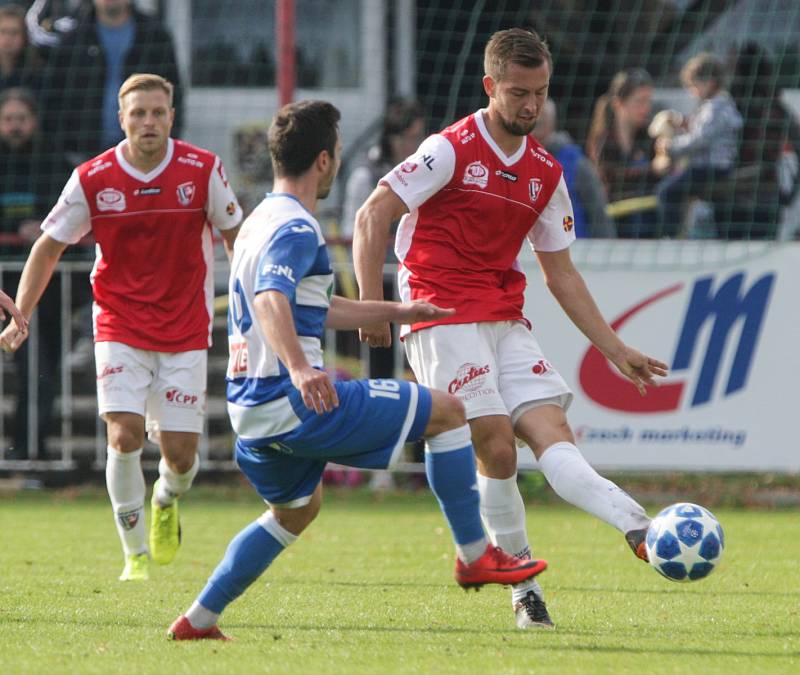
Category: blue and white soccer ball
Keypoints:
(685, 542)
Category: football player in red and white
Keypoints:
(469, 198)
(150, 203)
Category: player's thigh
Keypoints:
(124, 376)
(374, 420)
(177, 396)
(447, 412)
(124, 431)
(525, 375)
(282, 480)
(460, 360)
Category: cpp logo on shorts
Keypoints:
(181, 399)
(719, 311)
(469, 377)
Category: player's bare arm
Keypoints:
(568, 287)
(228, 239)
(274, 315)
(43, 258)
(345, 314)
(371, 233)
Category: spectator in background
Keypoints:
(109, 42)
(403, 130)
(583, 184)
(16, 68)
(29, 180)
(621, 149)
(710, 144)
(767, 172)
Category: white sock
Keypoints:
(503, 515)
(200, 617)
(125, 484)
(172, 485)
(570, 475)
(469, 553)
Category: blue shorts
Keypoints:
(375, 418)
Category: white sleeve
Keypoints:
(222, 207)
(423, 174)
(70, 219)
(555, 228)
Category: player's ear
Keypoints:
(488, 85)
(119, 117)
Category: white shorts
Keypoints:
(167, 389)
(494, 367)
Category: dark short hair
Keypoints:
(400, 116)
(21, 95)
(515, 45)
(299, 132)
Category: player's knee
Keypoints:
(124, 439)
(298, 519)
(447, 412)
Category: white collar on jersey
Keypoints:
(134, 172)
(503, 157)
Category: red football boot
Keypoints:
(495, 566)
(636, 540)
(181, 629)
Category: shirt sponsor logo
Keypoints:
(399, 175)
(468, 378)
(180, 399)
(144, 192)
(534, 188)
(537, 153)
(427, 160)
(507, 175)
(568, 222)
(279, 270)
(466, 136)
(408, 167)
(109, 370)
(476, 174)
(110, 200)
(185, 193)
(191, 161)
(98, 166)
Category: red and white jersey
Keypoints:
(471, 207)
(153, 272)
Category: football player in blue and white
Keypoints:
(289, 418)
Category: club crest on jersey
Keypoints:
(110, 200)
(476, 174)
(534, 188)
(185, 193)
(568, 223)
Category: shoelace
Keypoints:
(534, 606)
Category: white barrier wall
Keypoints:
(725, 317)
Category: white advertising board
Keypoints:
(725, 317)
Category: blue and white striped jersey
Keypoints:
(280, 247)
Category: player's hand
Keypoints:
(13, 336)
(640, 368)
(377, 335)
(317, 390)
(418, 311)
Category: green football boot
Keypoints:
(165, 530)
(136, 568)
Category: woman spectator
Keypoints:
(16, 69)
(622, 150)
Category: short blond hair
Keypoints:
(145, 82)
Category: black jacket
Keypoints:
(74, 79)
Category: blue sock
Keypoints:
(451, 475)
(249, 554)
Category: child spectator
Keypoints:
(710, 144)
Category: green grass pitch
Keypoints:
(368, 589)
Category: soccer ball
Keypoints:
(685, 542)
